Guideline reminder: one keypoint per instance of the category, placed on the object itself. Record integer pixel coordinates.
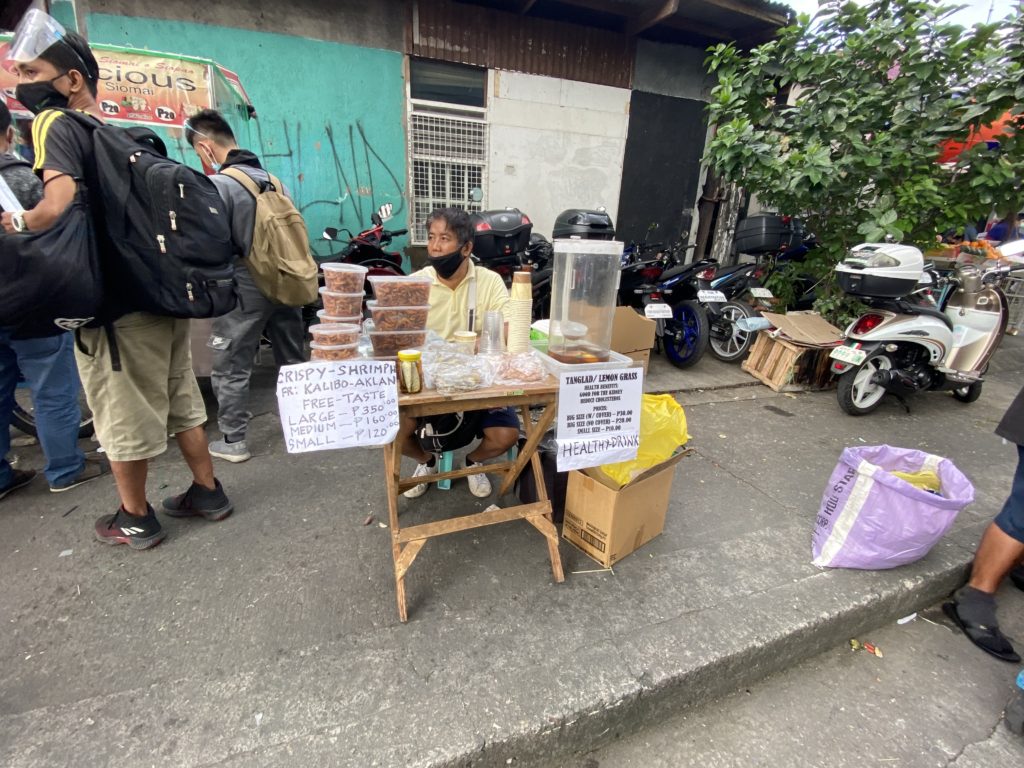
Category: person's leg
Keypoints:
(186, 416)
(1002, 546)
(236, 340)
(499, 429)
(9, 479)
(426, 463)
(286, 332)
(48, 365)
(130, 478)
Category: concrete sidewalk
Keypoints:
(272, 639)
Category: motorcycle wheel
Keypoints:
(736, 343)
(858, 395)
(24, 419)
(686, 335)
(968, 394)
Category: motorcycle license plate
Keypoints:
(850, 355)
(658, 312)
(761, 293)
(711, 297)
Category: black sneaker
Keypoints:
(137, 532)
(213, 505)
(19, 479)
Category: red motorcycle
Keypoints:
(368, 247)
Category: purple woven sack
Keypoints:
(871, 519)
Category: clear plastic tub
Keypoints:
(334, 334)
(387, 343)
(400, 291)
(342, 304)
(398, 318)
(584, 286)
(344, 278)
(326, 318)
(332, 351)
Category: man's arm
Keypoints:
(57, 196)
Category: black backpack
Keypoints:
(168, 248)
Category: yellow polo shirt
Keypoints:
(449, 310)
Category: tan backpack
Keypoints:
(280, 260)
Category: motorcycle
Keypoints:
(368, 247)
(671, 300)
(735, 295)
(504, 242)
(910, 340)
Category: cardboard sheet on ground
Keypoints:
(805, 328)
(598, 417)
(345, 404)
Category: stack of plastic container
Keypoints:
(337, 335)
(399, 313)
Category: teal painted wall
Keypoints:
(331, 116)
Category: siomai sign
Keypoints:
(143, 86)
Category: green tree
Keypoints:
(878, 88)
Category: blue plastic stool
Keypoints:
(446, 459)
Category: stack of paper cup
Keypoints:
(519, 315)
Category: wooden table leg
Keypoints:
(542, 491)
(392, 464)
(534, 433)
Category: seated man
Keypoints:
(461, 290)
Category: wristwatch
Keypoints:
(18, 221)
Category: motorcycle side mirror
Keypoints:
(476, 195)
(330, 233)
(385, 211)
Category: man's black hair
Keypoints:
(209, 123)
(72, 52)
(5, 118)
(457, 221)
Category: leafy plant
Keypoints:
(877, 89)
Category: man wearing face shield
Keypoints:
(461, 294)
(155, 393)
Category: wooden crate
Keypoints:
(788, 367)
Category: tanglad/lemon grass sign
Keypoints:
(147, 86)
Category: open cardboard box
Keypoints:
(633, 335)
(607, 522)
(808, 329)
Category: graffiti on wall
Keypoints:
(337, 178)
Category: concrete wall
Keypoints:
(375, 24)
(555, 144)
(331, 115)
(672, 70)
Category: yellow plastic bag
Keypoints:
(925, 479)
(662, 432)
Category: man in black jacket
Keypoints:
(1000, 552)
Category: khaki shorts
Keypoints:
(154, 395)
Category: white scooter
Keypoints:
(923, 331)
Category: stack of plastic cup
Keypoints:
(492, 340)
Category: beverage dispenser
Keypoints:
(584, 285)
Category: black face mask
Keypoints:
(447, 265)
(40, 96)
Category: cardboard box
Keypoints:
(607, 523)
(633, 335)
(808, 329)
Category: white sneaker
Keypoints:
(479, 485)
(422, 470)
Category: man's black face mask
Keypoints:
(42, 95)
(448, 264)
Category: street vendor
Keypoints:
(461, 294)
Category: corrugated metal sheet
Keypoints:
(484, 37)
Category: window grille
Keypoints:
(448, 158)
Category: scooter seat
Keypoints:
(914, 309)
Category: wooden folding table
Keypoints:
(406, 543)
